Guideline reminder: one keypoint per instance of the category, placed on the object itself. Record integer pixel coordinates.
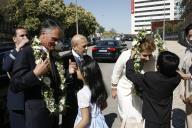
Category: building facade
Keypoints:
(144, 12)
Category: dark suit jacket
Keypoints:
(157, 93)
(25, 81)
(72, 86)
(15, 101)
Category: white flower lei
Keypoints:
(160, 44)
(47, 91)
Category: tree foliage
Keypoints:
(172, 28)
(86, 21)
(30, 13)
(100, 29)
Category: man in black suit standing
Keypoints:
(26, 77)
(15, 101)
(73, 58)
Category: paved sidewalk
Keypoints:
(178, 117)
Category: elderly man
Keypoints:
(28, 77)
(14, 100)
(73, 58)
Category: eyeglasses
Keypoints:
(84, 46)
(24, 35)
(144, 55)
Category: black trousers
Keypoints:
(17, 118)
(149, 124)
(37, 115)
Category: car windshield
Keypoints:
(107, 43)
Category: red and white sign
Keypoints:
(132, 7)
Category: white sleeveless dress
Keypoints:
(84, 100)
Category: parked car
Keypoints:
(4, 80)
(107, 50)
(127, 37)
(118, 37)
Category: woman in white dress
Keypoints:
(130, 104)
(92, 97)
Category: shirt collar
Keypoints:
(44, 49)
(75, 54)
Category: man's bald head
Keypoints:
(79, 44)
(76, 39)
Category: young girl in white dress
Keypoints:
(91, 97)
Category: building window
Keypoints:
(166, 14)
(139, 2)
(144, 25)
(152, 10)
(154, 5)
(150, 20)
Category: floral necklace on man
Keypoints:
(47, 91)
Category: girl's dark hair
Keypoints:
(94, 79)
(168, 63)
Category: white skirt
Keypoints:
(129, 106)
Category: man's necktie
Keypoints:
(78, 60)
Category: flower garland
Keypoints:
(160, 44)
(47, 91)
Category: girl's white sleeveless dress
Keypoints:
(84, 100)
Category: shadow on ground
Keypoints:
(110, 118)
(178, 118)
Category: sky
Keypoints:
(109, 13)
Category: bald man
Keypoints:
(79, 45)
(74, 59)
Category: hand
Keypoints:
(189, 99)
(184, 76)
(72, 67)
(21, 44)
(42, 68)
(114, 93)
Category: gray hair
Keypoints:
(49, 25)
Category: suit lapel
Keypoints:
(54, 71)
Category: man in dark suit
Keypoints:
(157, 89)
(26, 76)
(15, 101)
(75, 58)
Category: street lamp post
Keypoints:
(77, 26)
(164, 23)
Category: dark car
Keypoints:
(4, 80)
(127, 37)
(107, 50)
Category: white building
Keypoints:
(145, 11)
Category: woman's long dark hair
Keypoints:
(94, 79)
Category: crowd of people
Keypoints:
(39, 80)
